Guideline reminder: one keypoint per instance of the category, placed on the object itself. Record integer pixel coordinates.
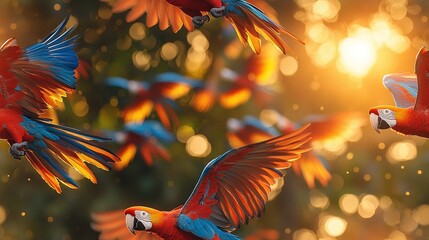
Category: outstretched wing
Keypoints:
(422, 70)
(158, 12)
(111, 226)
(234, 187)
(45, 70)
(403, 88)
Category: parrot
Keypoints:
(157, 94)
(322, 128)
(249, 21)
(410, 92)
(33, 80)
(232, 189)
(145, 137)
(259, 70)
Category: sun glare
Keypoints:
(357, 53)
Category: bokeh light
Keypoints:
(334, 226)
(349, 203)
(198, 146)
(401, 151)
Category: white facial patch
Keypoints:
(388, 116)
(144, 218)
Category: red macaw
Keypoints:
(158, 93)
(322, 129)
(33, 80)
(259, 70)
(248, 20)
(232, 189)
(145, 137)
(411, 93)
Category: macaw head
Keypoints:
(385, 117)
(141, 218)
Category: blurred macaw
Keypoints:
(82, 69)
(33, 80)
(158, 93)
(259, 70)
(322, 129)
(248, 20)
(232, 189)
(411, 94)
(146, 137)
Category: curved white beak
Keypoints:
(129, 220)
(374, 119)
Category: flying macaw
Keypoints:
(259, 70)
(322, 129)
(145, 137)
(411, 94)
(232, 189)
(248, 20)
(33, 80)
(157, 94)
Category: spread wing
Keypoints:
(403, 88)
(111, 226)
(43, 72)
(234, 187)
(158, 12)
(422, 70)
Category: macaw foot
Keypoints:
(16, 150)
(218, 12)
(199, 21)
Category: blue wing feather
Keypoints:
(403, 87)
(58, 54)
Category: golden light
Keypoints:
(304, 234)
(385, 202)
(397, 235)
(74, 174)
(80, 107)
(357, 53)
(141, 60)
(421, 215)
(319, 200)
(391, 216)
(401, 151)
(288, 66)
(198, 146)
(169, 51)
(349, 203)
(3, 215)
(408, 223)
(184, 133)
(334, 226)
(269, 117)
(276, 188)
(137, 31)
(368, 206)
(326, 9)
(318, 32)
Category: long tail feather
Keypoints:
(56, 148)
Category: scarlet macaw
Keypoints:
(33, 80)
(410, 92)
(248, 20)
(322, 129)
(145, 137)
(158, 93)
(260, 70)
(232, 189)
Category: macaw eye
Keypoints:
(387, 111)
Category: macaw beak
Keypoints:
(377, 122)
(133, 223)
